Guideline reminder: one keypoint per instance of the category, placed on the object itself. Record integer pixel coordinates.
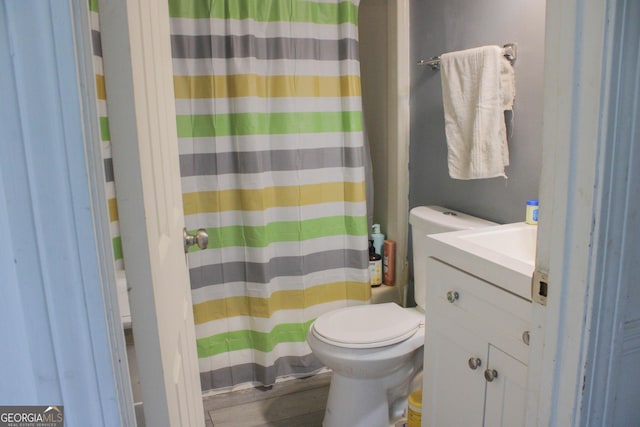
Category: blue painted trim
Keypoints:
(13, 331)
(62, 356)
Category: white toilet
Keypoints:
(375, 351)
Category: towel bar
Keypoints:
(509, 50)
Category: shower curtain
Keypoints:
(272, 161)
(105, 136)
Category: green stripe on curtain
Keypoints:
(104, 129)
(93, 5)
(261, 341)
(203, 125)
(267, 10)
(285, 231)
(117, 248)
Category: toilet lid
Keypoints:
(366, 326)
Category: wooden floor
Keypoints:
(299, 402)
(294, 403)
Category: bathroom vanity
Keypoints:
(478, 314)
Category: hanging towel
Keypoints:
(477, 86)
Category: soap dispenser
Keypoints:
(378, 238)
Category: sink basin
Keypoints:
(512, 240)
(503, 255)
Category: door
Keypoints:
(453, 392)
(506, 394)
(139, 82)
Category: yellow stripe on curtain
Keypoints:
(113, 209)
(271, 197)
(280, 300)
(243, 85)
(100, 87)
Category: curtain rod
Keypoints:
(509, 50)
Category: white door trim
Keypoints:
(577, 76)
(138, 72)
(610, 388)
(100, 211)
(397, 140)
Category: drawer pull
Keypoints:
(525, 337)
(452, 296)
(474, 363)
(490, 374)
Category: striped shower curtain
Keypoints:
(272, 164)
(105, 136)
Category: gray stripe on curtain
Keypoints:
(262, 48)
(275, 160)
(96, 41)
(254, 272)
(252, 372)
(108, 170)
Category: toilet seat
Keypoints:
(366, 326)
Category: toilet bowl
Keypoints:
(376, 351)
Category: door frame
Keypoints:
(100, 212)
(562, 327)
(399, 66)
(138, 72)
(575, 205)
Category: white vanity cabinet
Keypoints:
(476, 351)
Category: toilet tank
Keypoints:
(431, 220)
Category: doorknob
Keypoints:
(200, 238)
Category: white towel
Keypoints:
(477, 86)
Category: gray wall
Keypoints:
(448, 25)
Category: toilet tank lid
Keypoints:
(448, 218)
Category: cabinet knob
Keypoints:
(490, 374)
(474, 363)
(525, 337)
(452, 296)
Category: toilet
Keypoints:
(375, 351)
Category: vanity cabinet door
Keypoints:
(473, 328)
(506, 392)
(454, 385)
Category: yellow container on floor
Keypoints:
(414, 415)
